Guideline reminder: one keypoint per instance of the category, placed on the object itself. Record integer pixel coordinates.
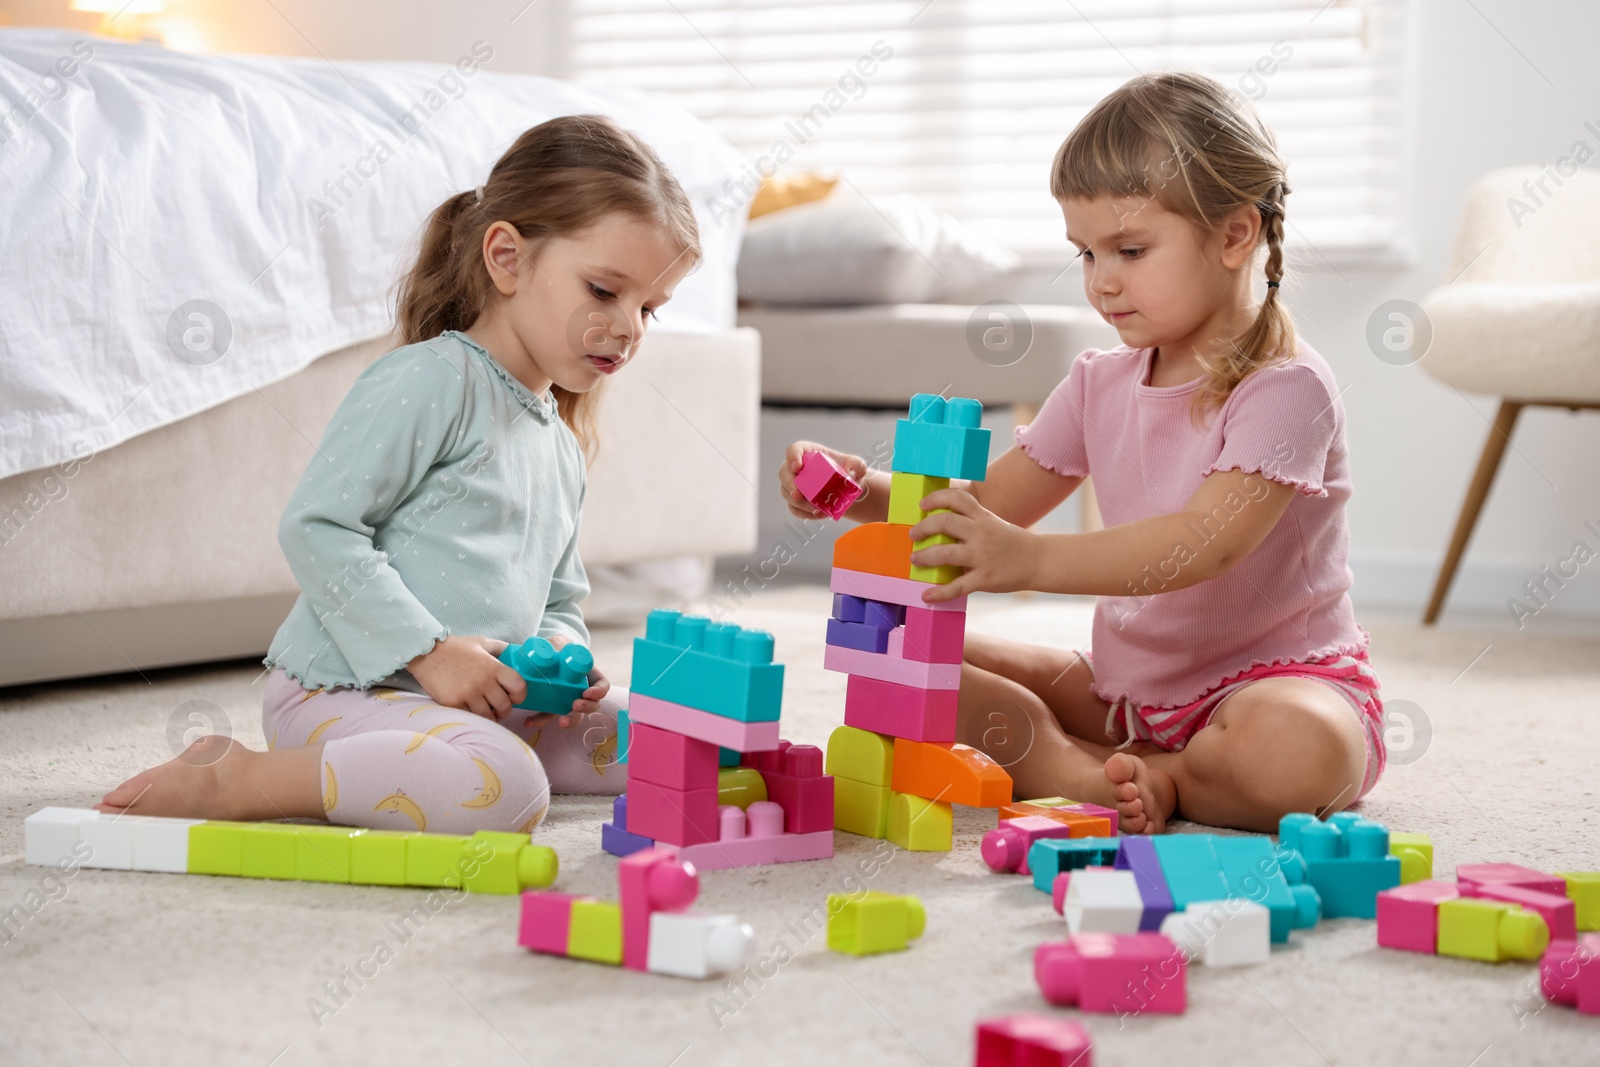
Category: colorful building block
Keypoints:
(545, 923)
(555, 678)
(322, 854)
(900, 710)
(740, 787)
(1194, 873)
(871, 922)
(942, 438)
(1126, 974)
(503, 863)
(860, 754)
(886, 667)
(268, 851)
(109, 841)
(1083, 825)
(1415, 853)
(672, 760)
(1102, 900)
(699, 946)
(1569, 974)
(1222, 933)
(883, 615)
(1490, 930)
(875, 548)
(956, 774)
(1558, 912)
(1408, 915)
(892, 590)
(1032, 1041)
(857, 636)
(709, 666)
(826, 484)
(615, 837)
(1138, 856)
(1278, 881)
(163, 845)
(650, 881)
(704, 725)
(1049, 857)
(672, 816)
(906, 491)
(934, 636)
(847, 608)
(1005, 848)
(1471, 875)
(594, 931)
(1583, 888)
(861, 807)
(753, 838)
(919, 825)
(795, 782)
(1347, 860)
(378, 857)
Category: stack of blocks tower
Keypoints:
(895, 764)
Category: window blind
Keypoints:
(964, 102)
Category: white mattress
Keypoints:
(146, 179)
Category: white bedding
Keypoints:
(134, 180)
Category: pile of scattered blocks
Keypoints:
(486, 862)
(649, 929)
(896, 767)
(704, 695)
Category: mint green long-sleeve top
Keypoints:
(443, 499)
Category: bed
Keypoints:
(200, 255)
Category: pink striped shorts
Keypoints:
(1347, 673)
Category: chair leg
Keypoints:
(1488, 463)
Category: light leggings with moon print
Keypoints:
(396, 760)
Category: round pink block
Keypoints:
(766, 819)
(673, 885)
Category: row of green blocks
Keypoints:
(486, 862)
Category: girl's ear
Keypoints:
(503, 252)
(1241, 233)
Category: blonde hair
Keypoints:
(560, 177)
(1185, 141)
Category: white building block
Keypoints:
(49, 834)
(698, 946)
(162, 844)
(1101, 900)
(110, 840)
(1222, 933)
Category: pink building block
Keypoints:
(900, 710)
(1005, 848)
(702, 725)
(826, 484)
(650, 881)
(889, 668)
(1033, 1041)
(796, 783)
(1559, 912)
(1471, 875)
(1408, 915)
(934, 636)
(546, 920)
(676, 816)
(888, 590)
(756, 851)
(670, 759)
(1569, 973)
(1127, 974)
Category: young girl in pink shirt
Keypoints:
(1229, 682)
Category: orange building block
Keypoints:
(876, 548)
(950, 773)
(1082, 825)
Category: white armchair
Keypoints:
(1520, 316)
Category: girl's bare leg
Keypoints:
(218, 778)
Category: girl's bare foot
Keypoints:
(218, 778)
(1145, 797)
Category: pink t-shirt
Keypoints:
(1286, 602)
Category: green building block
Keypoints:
(1583, 887)
(322, 853)
(505, 864)
(594, 931)
(906, 491)
(873, 922)
(860, 807)
(1415, 853)
(860, 755)
(378, 857)
(268, 850)
(434, 859)
(917, 824)
(1490, 930)
(214, 847)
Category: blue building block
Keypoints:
(614, 835)
(858, 635)
(1050, 856)
(1193, 871)
(622, 735)
(729, 757)
(942, 439)
(847, 608)
(1138, 855)
(555, 679)
(710, 666)
(1346, 860)
(1254, 872)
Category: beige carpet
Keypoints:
(115, 967)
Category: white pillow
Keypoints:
(893, 249)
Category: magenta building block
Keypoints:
(1559, 912)
(671, 759)
(756, 850)
(1005, 848)
(675, 816)
(546, 920)
(651, 880)
(1125, 974)
(802, 790)
(826, 484)
(1471, 875)
(934, 636)
(1408, 915)
(1569, 973)
(1032, 1041)
(900, 710)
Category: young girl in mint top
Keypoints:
(1229, 680)
(438, 520)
